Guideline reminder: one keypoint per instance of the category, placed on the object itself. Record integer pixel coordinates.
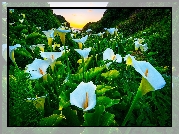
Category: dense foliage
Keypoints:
(153, 24)
(116, 85)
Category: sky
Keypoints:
(78, 18)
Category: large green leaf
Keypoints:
(93, 72)
(98, 118)
(110, 75)
(64, 99)
(52, 120)
(71, 117)
(24, 52)
(106, 101)
(80, 68)
(101, 89)
(93, 119)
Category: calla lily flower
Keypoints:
(62, 32)
(50, 35)
(111, 30)
(37, 68)
(108, 54)
(80, 41)
(41, 46)
(84, 96)
(51, 56)
(144, 47)
(11, 51)
(151, 79)
(84, 53)
(100, 34)
(138, 43)
(130, 60)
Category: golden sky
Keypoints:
(78, 18)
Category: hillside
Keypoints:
(155, 22)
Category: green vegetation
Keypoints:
(116, 85)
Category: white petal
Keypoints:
(118, 58)
(154, 77)
(107, 54)
(33, 68)
(14, 47)
(78, 96)
(111, 30)
(83, 39)
(84, 53)
(49, 55)
(63, 31)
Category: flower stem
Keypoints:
(68, 67)
(138, 95)
(83, 67)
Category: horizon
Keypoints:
(78, 18)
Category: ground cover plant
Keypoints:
(62, 77)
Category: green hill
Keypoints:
(152, 24)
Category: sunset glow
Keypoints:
(78, 18)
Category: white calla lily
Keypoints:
(81, 41)
(130, 60)
(11, 51)
(84, 96)
(108, 54)
(150, 73)
(84, 53)
(37, 68)
(111, 30)
(51, 55)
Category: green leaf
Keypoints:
(52, 120)
(101, 89)
(49, 79)
(33, 35)
(97, 115)
(64, 99)
(71, 117)
(107, 119)
(80, 68)
(106, 101)
(151, 53)
(24, 31)
(93, 72)
(110, 75)
(101, 119)
(19, 27)
(24, 52)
